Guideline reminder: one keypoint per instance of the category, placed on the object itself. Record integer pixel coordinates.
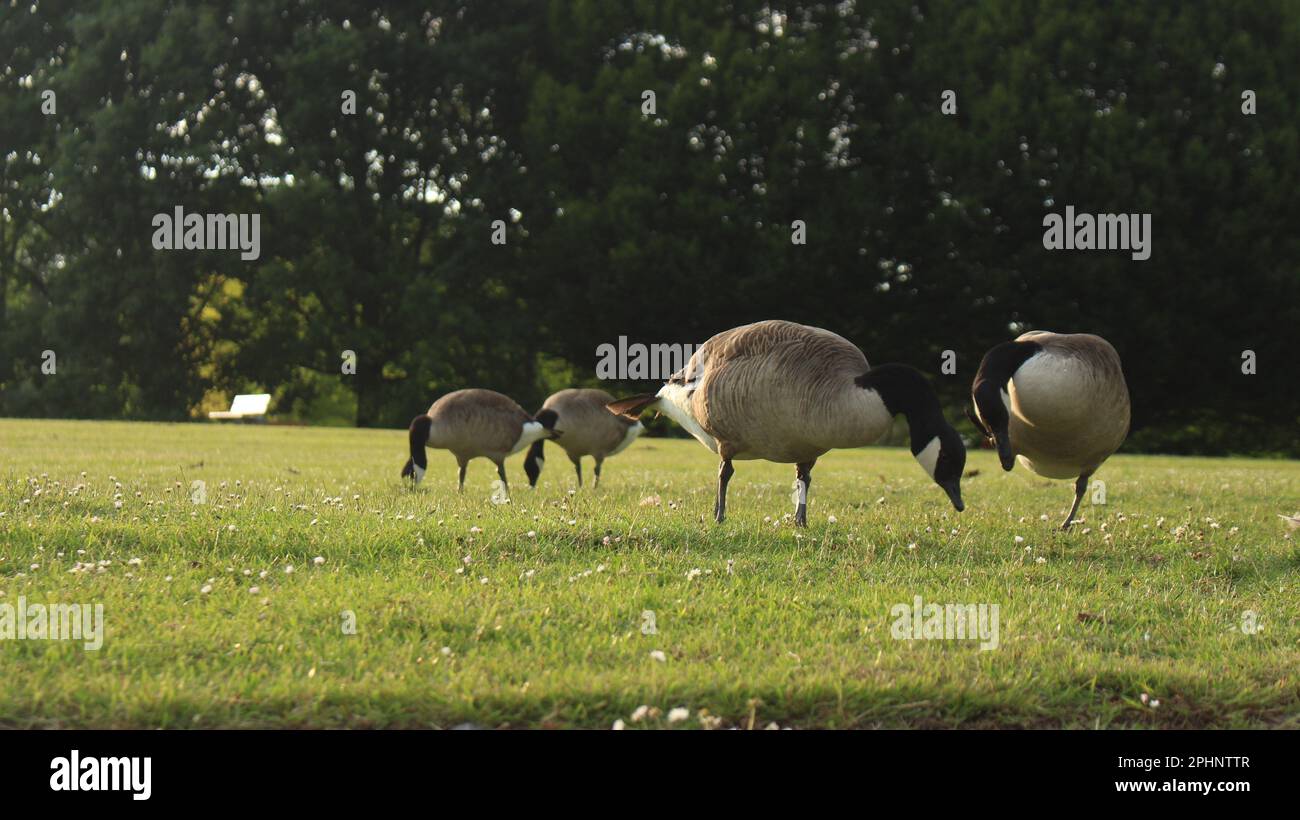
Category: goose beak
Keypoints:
(1005, 455)
(413, 472)
(954, 495)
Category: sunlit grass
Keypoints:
(531, 614)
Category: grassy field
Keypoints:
(530, 614)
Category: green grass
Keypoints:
(504, 628)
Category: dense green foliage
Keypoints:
(924, 229)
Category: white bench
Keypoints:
(248, 406)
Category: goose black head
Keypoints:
(942, 456)
(989, 392)
(533, 462)
(936, 446)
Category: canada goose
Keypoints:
(586, 428)
(474, 423)
(788, 393)
(1056, 401)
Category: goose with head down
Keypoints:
(1057, 402)
(585, 428)
(472, 424)
(788, 393)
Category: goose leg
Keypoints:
(599, 462)
(501, 474)
(725, 471)
(1080, 487)
(577, 468)
(463, 464)
(803, 474)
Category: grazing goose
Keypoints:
(471, 424)
(788, 393)
(1056, 401)
(585, 428)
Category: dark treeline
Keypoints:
(924, 229)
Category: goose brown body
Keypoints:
(584, 428)
(1069, 404)
(788, 393)
(777, 391)
(477, 423)
(473, 423)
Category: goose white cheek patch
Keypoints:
(419, 473)
(929, 456)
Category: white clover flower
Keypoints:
(678, 715)
(658, 655)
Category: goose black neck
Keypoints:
(904, 390)
(419, 434)
(996, 369)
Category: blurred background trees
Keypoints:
(924, 230)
